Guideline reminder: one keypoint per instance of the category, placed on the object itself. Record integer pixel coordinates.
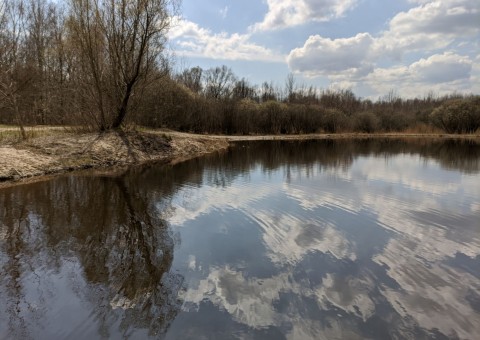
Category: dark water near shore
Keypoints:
(364, 239)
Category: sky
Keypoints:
(411, 48)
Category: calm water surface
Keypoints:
(270, 240)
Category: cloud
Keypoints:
(323, 56)
(288, 13)
(432, 25)
(194, 41)
(441, 68)
(438, 68)
(439, 73)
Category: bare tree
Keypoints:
(192, 79)
(244, 90)
(45, 54)
(119, 46)
(268, 92)
(219, 82)
(290, 88)
(14, 76)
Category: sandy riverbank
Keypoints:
(61, 151)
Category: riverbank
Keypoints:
(53, 150)
(56, 151)
(343, 135)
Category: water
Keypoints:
(364, 239)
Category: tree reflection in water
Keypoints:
(111, 228)
(132, 257)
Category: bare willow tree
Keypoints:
(119, 45)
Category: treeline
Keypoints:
(216, 101)
(102, 64)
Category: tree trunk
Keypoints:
(18, 118)
(122, 112)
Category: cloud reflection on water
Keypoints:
(417, 206)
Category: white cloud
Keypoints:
(323, 56)
(441, 68)
(288, 13)
(440, 73)
(195, 41)
(430, 26)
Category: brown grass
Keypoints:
(60, 151)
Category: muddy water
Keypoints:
(269, 240)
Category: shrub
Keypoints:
(274, 115)
(366, 122)
(390, 120)
(334, 121)
(246, 117)
(458, 116)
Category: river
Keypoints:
(331, 239)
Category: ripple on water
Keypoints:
(326, 239)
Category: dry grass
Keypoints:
(57, 151)
(422, 128)
(10, 134)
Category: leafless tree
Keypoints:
(268, 92)
(290, 88)
(243, 90)
(32, 61)
(219, 82)
(119, 46)
(192, 79)
(14, 75)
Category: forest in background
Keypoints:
(104, 64)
